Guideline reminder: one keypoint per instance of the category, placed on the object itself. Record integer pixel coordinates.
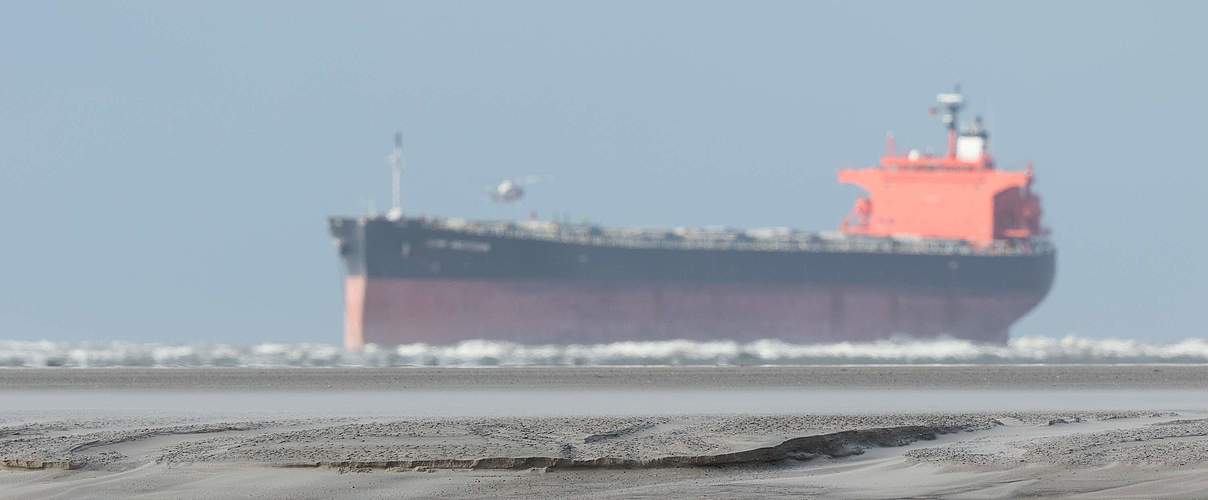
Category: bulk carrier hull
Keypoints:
(441, 282)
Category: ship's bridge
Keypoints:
(960, 195)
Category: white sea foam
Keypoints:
(675, 352)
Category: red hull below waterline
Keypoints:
(387, 311)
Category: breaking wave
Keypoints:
(1025, 350)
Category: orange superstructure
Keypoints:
(958, 196)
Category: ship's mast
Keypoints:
(951, 102)
(396, 169)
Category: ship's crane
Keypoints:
(512, 190)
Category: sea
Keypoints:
(1022, 350)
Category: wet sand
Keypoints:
(1145, 448)
(978, 377)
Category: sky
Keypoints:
(166, 168)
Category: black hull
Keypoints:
(414, 280)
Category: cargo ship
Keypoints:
(937, 246)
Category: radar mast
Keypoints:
(951, 102)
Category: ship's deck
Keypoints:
(776, 239)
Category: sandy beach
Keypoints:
(115, 440)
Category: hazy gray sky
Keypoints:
(166, 167)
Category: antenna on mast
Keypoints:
(396, 170)
(951, 104)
